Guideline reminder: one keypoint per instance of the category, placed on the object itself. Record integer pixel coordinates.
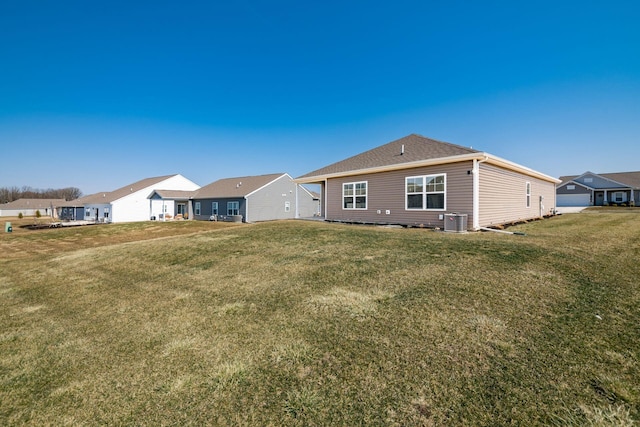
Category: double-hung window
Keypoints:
(426, 192)
(354, 195)
(233, 208)
(214, 208)
(528, 191)
(198, 208)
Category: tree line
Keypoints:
(9, 194)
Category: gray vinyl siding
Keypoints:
(268, 203)
(578, 190)
(205, 207)
(503, 196)
(386, 191)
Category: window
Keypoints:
(214, 208)
(87, 212)
(287, 206)
(588, 180)
(618, 197)
(528, 191)
(233, 208)
(425, 192)
(106, 212)
(571, 187)
(354, 195)
(198, 208)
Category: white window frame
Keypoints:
(619, 194)
(358, 189)
(105, 213)
(287, 206)
(214, 208)
(233, 207)
(571, 187)
(528, 193)
(424, 191)
(198, 208)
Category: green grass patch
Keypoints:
(309, 323)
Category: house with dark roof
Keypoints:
(593, 189)
(252, 199)
(126, 204)
(29, 207)
(419, 181)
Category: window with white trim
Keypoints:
(571, 187)
(354, 195)
(198, 208)
(426, 192)
(528, 191)
(618, 197)
(214, 208)
(106, 213)
(287, 206)
(233, 208)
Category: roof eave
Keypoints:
(432, 162)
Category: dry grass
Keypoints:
(306, 323)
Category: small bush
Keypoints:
(20, 216)
(38, 214)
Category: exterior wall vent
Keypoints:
(455, 222)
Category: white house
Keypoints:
(130, 203)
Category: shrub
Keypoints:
(20, 215)
(38, 214)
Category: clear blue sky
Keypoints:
(98, 94)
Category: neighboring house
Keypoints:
(29, 207)
(253, 199)
(129, 203)
(417, 181)
(592, 189)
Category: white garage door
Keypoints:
(572, 200)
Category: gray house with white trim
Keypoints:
(253, 198)
(593, 189)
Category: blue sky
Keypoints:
(97, 95)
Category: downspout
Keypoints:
(324, 197)
(476, 192)
(246, 209)
(297, 211)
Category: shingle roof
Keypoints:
(416, 148)
(235, 187)
(136, 186)
(32, 204)
(105, 197)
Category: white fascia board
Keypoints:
(268, 184)
(507, 164)
(432, 162)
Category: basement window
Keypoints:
(425, 192)
(354, 195)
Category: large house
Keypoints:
(30, 207)
(593, 189)
(418, 181)
(253, 199)
(127, 204)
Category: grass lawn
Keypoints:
(309, 323)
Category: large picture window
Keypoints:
(426, 192)
(354, 195)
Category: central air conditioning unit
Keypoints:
(455, 222)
